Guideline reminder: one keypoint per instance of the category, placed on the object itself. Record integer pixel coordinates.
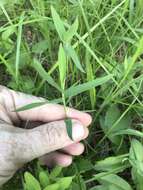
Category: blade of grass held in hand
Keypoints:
(58, 23)
(31, 106)
(68, 123)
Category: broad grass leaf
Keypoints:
(9, 2)
(54, 186)
(131, 132)
(72, 54)
(62, 66)
(136, 160)
(139, 8)
(112, 115)
(110, 163)
(31, 182)
(84, 165)
(71, 31)
(100, 187)
(44, 179)
(105, 187)
(65, 182)
(136, 155)
(7, 33)
(75, 90)
(115, 180)
(68, 123)
(38, 67)
(55, 172)
(40, 46)
(58, 23)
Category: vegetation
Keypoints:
(85, 54)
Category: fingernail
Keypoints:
(78, 131)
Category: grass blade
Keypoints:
(31, 106)
(68, 123)
(62, 66)
(75, 90)
(38, 67)
(72, 54)
(71, 31)
(18, 45)
(58, 23)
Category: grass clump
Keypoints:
(75, 48)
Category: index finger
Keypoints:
(46, 113)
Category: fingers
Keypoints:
(74, 149)
(56, 158)
(46, 113)
(63, 158)
(49, 137)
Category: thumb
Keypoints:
(49, 137)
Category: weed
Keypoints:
(86, 54)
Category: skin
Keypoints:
(47, 140)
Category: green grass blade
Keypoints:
(75, 90)
(62, 66)
(58, 23)
(38, 67)
(68, 123)
(72, 54)
(71, 31)
(18, 45)
(31, 106)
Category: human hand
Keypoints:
(21, 145)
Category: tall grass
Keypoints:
(88, 55)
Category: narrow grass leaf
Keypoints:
(75, 90)
(68, 123)
(72, 54)
(58, 23)
(38, 67)
(17, 61)
(71, 31)
(31, 106)
(62, 66)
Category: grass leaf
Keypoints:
(38, 67)
(52, 187)
(31, 182)
(113, 179)
(75, 90)
(71, 31)
(72, 54)
(68, 123)
(31, 106)
(62, 66)
(58, 23)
